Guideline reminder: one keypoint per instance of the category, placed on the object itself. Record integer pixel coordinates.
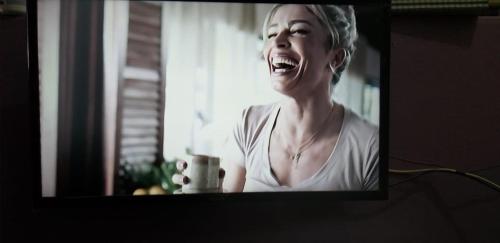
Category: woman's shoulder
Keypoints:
(257, 114)
(359, 128)
(256, 111)
(254, 118)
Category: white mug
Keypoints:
(203, 174)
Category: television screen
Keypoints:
(173, 98)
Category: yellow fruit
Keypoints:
(140, 192)
(156, 190)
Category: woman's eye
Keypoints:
(269, 36)
(300, 31)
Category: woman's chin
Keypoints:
(282, 85)
(285, 81)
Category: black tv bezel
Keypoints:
(233, 199)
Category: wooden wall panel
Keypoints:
(141, 98)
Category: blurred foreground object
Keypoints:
(146, 179)
(12, 7)
(479, 7)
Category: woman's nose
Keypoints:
(281, 40)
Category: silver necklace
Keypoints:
(295, 157)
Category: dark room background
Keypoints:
(444, 109)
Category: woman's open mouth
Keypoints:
(281, 65)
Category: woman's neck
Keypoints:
(301, 118)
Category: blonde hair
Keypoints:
(339, 21)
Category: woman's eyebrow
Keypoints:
(272, 25)
(299, 21)
(292, 22)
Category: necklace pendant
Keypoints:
(296, 157)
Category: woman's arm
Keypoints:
(233, 157)
(234, 181)
(371, 166)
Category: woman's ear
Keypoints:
(338, 57)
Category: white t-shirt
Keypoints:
(351, 166)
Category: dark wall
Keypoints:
(15, 126)
(444, 108)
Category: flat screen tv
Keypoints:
(174, 102)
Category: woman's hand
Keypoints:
(181, 179)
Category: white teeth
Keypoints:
(284, 60)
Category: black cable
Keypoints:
(485, 168)
(408, 179)
(426, 163)
(433, 164)
(439, 168)
(477, 178)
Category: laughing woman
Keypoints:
(305, 142)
